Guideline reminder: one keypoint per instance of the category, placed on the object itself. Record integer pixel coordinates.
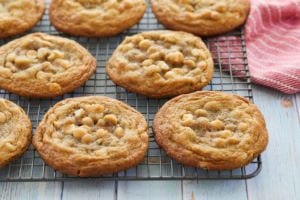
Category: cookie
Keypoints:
(161, 64)
(43, 66)
(92, 136)
(15, 131)
(18, 16)
(205, 18)
(95, 18)
(211, 130)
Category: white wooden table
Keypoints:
(279, 178)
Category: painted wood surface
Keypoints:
(279, 179)
(280, 176)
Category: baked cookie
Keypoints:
(95, 18)
(212, 130)
(40, 65)
(91, 136)
(17, 16)
(15, 131)
(201, 17)
(161, 64)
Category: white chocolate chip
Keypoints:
(101, 133)
(187, 120)
(23, 61)
(201, 113)
(10, 147)
(212, 106)
(43, 53)
(163, 65)
(190, 63)
(225, 134)
(152, 69)
(87, 138)
(69, 129)
(87, 121)
(11, 57)
(119, 132)
(242, 126)
(175, 57)
(203, 121)
(31, 53)
(44, 75)
(147, 62)
(2, 118)
(5, 73)
(79, 113)
(55, 54)
(79, 132)
(110, 119)
(217, 124)
(233, 141)
(145, 44)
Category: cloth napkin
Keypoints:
(272, 34)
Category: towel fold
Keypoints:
(272, 34)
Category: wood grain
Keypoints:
(280, 176)
(146, 190)
(30, 191)
(89, 190)
(206, 190)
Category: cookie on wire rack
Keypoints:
(91, 136)
(18, 16)
(161, 64)
(211, 130)
(39, 65)
(15, 131)
(201, 17)
(95, 18)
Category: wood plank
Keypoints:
(86, 189)
(280, 176)
(30, 191)
(149, 190)
(222, 189)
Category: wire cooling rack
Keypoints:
(231, 75)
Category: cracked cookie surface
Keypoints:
(161, 64)
(212, 130)
(41, 66)
(90, 136)
(201, 17)
(95, 18)
(15, 131)
(17, 16)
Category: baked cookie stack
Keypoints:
(97, 135)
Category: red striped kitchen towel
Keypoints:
(272, 34)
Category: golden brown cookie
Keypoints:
(212, 130)
(95, 18)
(17, 16)
(161, 64)
(201, 17)
(15, 131)
(91, 136)
(40, 65)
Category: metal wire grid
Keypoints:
(231, 75)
